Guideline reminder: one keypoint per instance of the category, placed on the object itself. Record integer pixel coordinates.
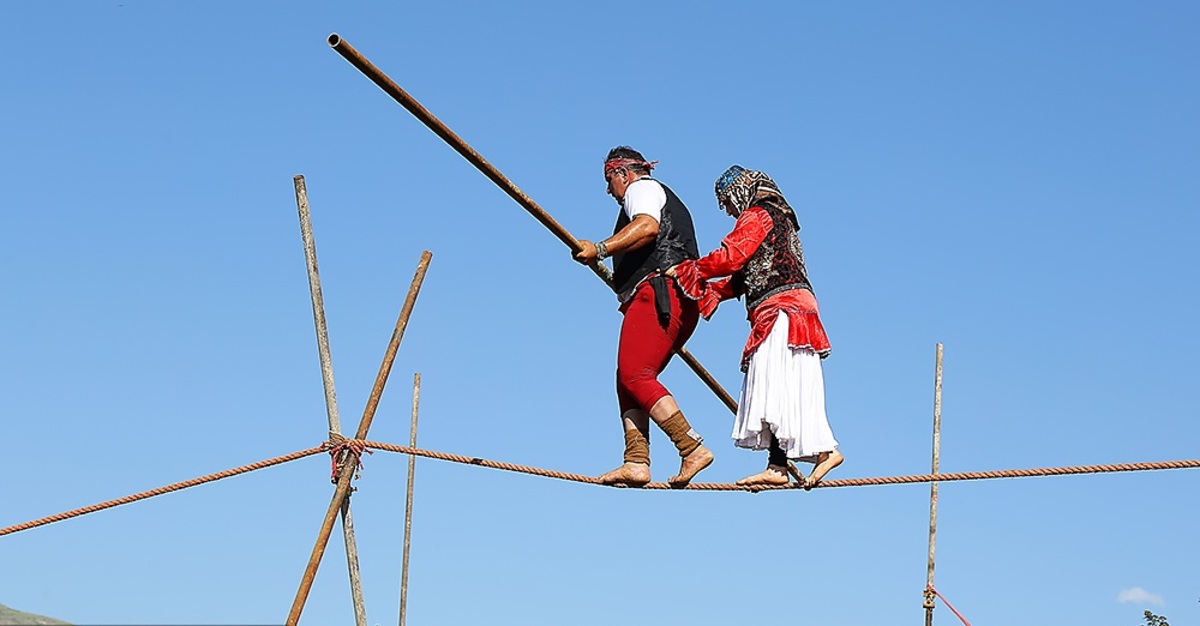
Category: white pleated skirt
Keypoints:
(783, 393)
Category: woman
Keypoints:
(782, 405)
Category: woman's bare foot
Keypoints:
(691, 465)
(628, 475)
(825, 462)
(773, 476)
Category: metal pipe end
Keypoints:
(334, 40)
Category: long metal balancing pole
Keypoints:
(408, 503)
(441, 130)
(347, 469)
(933, 486)
(331, 409)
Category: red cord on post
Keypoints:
(950, 606)
(339, 444)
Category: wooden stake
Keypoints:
(346, 470)
(335, 426)
(933, 486)
(408, 503)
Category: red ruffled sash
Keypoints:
(804, 323)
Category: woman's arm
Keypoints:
(738, 246)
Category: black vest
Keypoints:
(778, 263)
(676, 242)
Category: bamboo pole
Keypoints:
(346, 471)
(487, 169)
(331, 409)
(933, 486)
(408, 503)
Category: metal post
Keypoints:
(347, 469)
(408, 503)
(331, 410)
(487, 169)
(933, 486)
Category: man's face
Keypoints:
(618, 182)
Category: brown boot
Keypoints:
(635, 472)
(694, 456)
(637, 448)
(628, 475)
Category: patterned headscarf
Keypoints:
(742, 187)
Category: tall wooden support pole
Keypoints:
(487, 169)
(408, 503)
(346, 470)
(331, 409)
(933, 486)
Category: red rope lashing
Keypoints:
(338, 444)
(950, 606)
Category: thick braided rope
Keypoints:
(845, 482)
(470, 460)
(357, 444)
(167, 489)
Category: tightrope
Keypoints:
(825, 484)
(355, 445)
(161, 490)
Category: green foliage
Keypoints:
(1154, 620)
(13, 616)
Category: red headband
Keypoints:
(623, 163)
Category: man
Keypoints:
(782, 408)
(653, 234)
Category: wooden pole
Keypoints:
(331, 410)
(408, 503)
(487, 169)
(933, 486)
(346, 471)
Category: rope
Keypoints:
(470, 460)
(950, 606)
(161, 490)
(356, 446)
(845, 482)
(339, 445)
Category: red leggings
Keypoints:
(646, 347)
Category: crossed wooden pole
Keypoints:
(347, 460)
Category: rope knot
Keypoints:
(930, 601)
(930, 588)
(341, 450)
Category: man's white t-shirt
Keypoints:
(645, 196)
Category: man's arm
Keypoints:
(639, 233)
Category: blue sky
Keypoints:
(1019, 181)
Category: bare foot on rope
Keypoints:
(773, 476)
(825, 462)
(628, 475)
(691, 465)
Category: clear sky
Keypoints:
(1017, 180)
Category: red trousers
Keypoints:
(646, 346)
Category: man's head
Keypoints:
(622, 167)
